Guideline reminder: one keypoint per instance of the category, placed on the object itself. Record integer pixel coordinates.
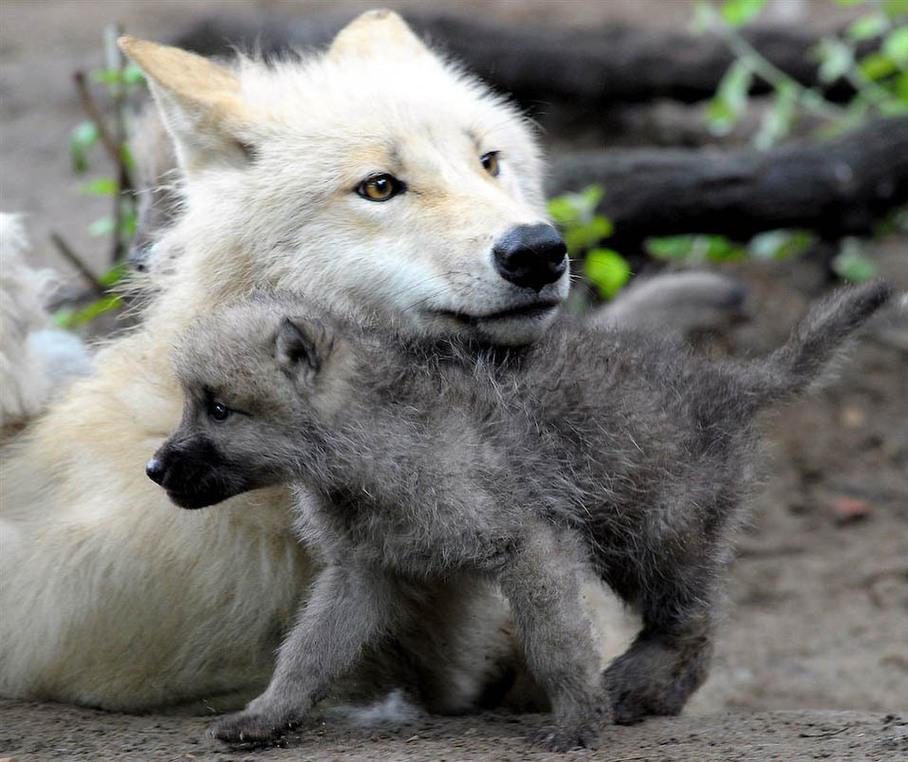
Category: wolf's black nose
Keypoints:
(531, 256)
(155, 470)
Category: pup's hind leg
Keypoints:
(670, 657)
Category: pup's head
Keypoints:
(375, 173)
(258, 387)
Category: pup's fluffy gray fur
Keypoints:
(438, 463)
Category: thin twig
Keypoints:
(764, 68)
(113, 60)
(90, 107)
(76, 261)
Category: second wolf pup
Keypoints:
(433, 462)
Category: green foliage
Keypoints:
(880, 83)
(880, 78)
(739, 12)
(730, 100)
(705, 249)
(695, 249)
(583, 228)
(72, 318)
(608, 270)
(852, 264)
(122, 223)
(82, 139)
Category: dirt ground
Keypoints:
(812, 658)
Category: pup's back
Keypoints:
(654, 440)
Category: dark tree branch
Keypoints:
(66, 251)
(835, 188)
(579, 69)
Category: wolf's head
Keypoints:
(375, 175)
(263, 381)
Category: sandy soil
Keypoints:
(45, 731)
(812, 659)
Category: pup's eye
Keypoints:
(490, 163)
(219, 411)
(380, 187)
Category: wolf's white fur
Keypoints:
(110, 595)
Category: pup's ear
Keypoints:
(301, 346)
(379, 34)
(199, 102)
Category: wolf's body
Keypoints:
(110, 596)
(432, 464)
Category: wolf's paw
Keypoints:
(565, 738)
(249, 727)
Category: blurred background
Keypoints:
(765, 140)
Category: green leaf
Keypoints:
(579, 237)
(895, 46)
(103, 186)
(562, 211)
(69, 318)
(778, 121)
(895, 8)
(836, 58)
(82, 138)
(739, 12)
(877, 66)
(867, 27)
(101, 227)
(108, 77)
(851, 264)
(670, 247)
(780, 244)
(133, 75)
(126, 156)
(901, 87)
(720, 249)
(608, 270)
(850, 2)
(573, 208)
(730, 100)
(113, 276)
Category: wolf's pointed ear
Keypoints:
(301, 345)
(379, 34)
(199, 102)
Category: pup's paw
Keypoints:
(565, 738)
(249, 727)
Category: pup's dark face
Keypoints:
(253, 400)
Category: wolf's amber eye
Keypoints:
(380, 187)
(218, 411)
(490, 163)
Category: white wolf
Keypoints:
(376, 175)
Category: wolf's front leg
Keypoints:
(349, 609)
(542, 583)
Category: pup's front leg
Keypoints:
(542, 583)
(349, 609)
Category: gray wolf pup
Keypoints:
(433, 461)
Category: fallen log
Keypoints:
(575, 69)
(835, 188)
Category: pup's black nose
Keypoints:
(531, 256)
(155, 470)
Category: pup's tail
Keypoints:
(814, 343)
